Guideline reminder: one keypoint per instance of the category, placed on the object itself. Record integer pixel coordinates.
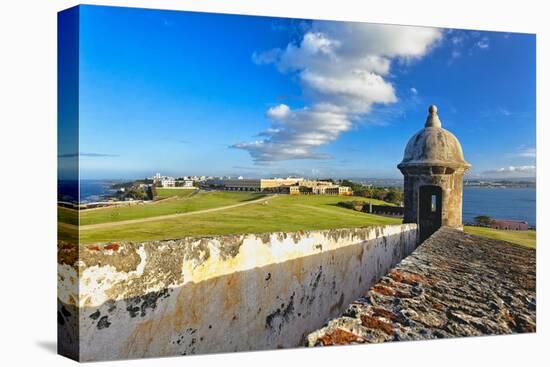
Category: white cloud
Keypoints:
(527, 152)
(513, 171)
(278, 112)
(295, 135)
(360, 39)
(343, 69)
(266, 57)
(483, 43)
(457, 40)
(517, 169)
(414, 91)
(455, 55)
(466, 43)
(504, 111)
(498, 112)
(359, 89)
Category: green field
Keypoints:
(280, 213)
(66, 215)
(523, 238)
(165, 193)
(67, 235)
(174, 205)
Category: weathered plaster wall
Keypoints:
(218, 294)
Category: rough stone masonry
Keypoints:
(453, 285)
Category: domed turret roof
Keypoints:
(433, 146)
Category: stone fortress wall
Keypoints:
(453, 285)
(216, 294)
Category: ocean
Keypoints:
(96, 190)
(509, 203)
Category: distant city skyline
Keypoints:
(185, 93)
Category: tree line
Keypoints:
(392, 195)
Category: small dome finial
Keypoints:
(433, 118)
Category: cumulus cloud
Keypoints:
(296, 133)
(343, 69)
(414, 91)
(278, 112)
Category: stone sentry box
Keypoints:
(434, 167)
(216, 294)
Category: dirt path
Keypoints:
(68, 226)
(172, 216)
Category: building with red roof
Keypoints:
(512, 225)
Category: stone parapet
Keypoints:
(453, 285)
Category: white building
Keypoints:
(168, 182)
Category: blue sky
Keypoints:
(192, 93)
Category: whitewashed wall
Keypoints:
(216, 294)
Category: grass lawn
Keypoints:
(67, 235)
(174, 205)
(165, 193)
(66, 215)
(281, 213)
(523, 238)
